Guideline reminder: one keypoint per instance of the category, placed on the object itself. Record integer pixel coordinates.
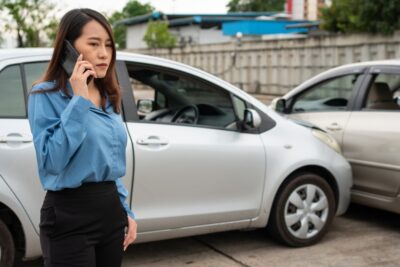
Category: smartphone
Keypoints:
(69, 59)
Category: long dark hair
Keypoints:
(70, 28)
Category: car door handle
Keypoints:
(15, 138)
(152, 140)
(334, 127)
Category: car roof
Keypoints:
(26, 52)
(14, 53)
(33, 53)
(387, 62)
(23, 52)
(340, 70)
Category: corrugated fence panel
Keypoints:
(274, 67)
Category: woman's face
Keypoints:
(95, 45)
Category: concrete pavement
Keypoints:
(362, 237)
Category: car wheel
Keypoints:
(303, 210)
(7, 248)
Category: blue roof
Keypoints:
(248, 23)
(186, 19)
(260, 27)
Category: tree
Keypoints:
(29, 19)
(158, 35)
(255, 5)
(132, 8)
(362, 16)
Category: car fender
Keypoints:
(288, 155)
(32, 240)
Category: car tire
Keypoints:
(7, 247)
(303, 210)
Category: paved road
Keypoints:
(362, 237)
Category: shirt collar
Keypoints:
(71, 93)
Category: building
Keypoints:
(305, 9)
(207, 28)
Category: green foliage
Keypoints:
(255, 5)
(29, 18)
(158, 35)
(135, 8)
(369, 16)
(132, 8)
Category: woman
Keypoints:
(80, 145)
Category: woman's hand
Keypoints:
(130, 234)
(82, 70)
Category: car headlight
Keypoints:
(327, 139)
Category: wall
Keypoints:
(136, 33)
(200, 36)
(273, 67)
(134, 36)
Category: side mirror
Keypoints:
(145, 105)
(278, 104)
(251, 119)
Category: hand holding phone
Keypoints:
(69, 60)
(77, 69)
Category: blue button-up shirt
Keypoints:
(75, 141)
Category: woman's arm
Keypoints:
(56, 137)
(123, 194)
(131, 231)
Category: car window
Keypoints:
(12, 98)
(173, 93)
(33, 72)
(330, 95)
(383, 93)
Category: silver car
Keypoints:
(359, 105)
(202, 156)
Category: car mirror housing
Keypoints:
(251, 119)
(280, 105)
(145, 105)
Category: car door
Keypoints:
(17, 154)
(327, 103)
(371, 139)
(191, 174)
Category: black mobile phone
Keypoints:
(69, 59)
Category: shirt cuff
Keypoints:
(131, 214)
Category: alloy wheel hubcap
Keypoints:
(306, 211)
